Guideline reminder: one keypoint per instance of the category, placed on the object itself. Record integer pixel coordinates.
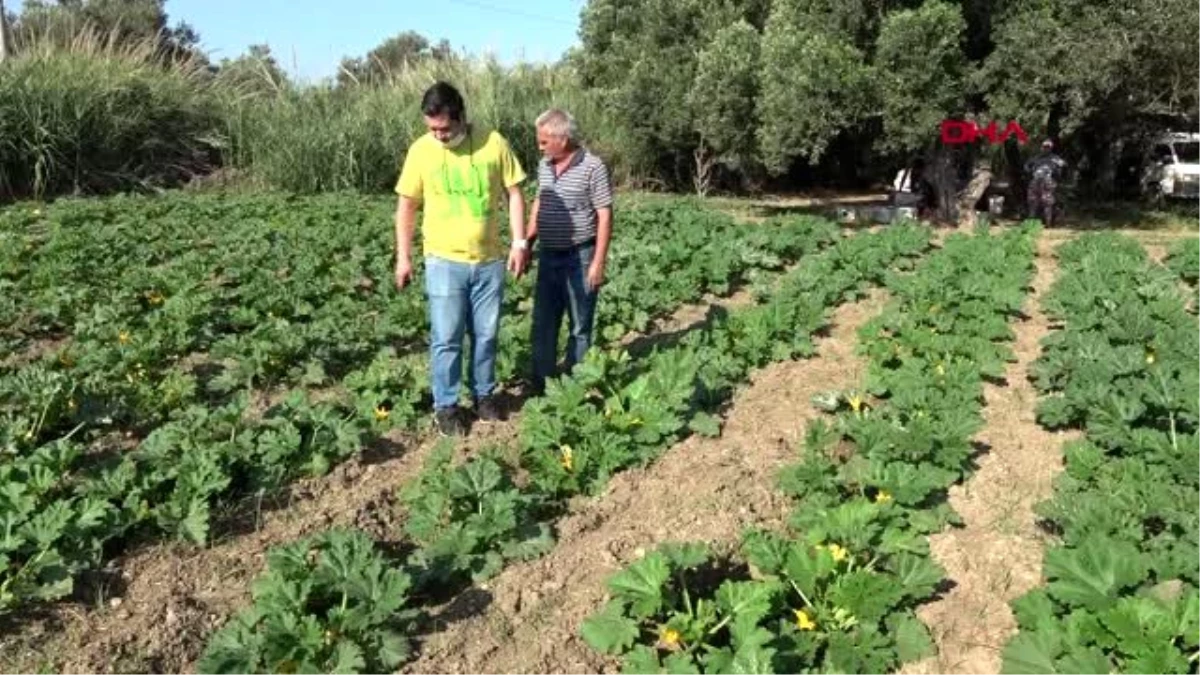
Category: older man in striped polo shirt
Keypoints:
(572, 221)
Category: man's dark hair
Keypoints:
(441, 98)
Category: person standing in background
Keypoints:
(461, 175)
(572, 220)
(1046, 169)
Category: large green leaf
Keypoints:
(1090, 660)
(685, 556)
(918, 575)
(641, 584)
(610, 631)
(1091, 576)
(866, 595)
(913, 641)
(1032, 653)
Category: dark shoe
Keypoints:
(449, 422)
(488, 410)
(536, 389)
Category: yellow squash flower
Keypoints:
(855, 401)
(566, 457)
(839, 554)
(803, 620)
(668, 638)
(123, 337)
(883, 497)
(381, 413)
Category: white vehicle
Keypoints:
(1173, 169)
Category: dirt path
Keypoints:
(701, 489)
(997, 555)
(161, 602)
(1157, 252)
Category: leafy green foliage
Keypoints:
(1184, 260)
(838, 590)
(922, 72)
(1049, 53)
(329, 603)
(469, 520)
(814, 86)
(465, 522)
(724, 93)
(170, 334)
(1122, 586)
(612, 413)
(663, 598)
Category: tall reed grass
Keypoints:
(328, 138)
(95, 114)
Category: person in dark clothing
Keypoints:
(1045, 170)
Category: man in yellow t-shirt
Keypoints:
(461, 175)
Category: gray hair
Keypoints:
(559, 123)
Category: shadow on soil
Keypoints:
(662, 341)
(1131, 215)
(824, 208)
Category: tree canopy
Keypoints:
(882, 74)
(391, 56)
(783, 90)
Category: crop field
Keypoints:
(797, 447)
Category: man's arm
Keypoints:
(516, 213)
(406, 218)
(531, 227)
(409, 188)
(602, 201)
(517, 257)
(603, 234)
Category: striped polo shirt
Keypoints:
(567, 204)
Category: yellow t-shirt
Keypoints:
(461, 189)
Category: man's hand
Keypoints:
(595, 276)
(404, 272)
(518, 261)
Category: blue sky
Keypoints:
(309, 37)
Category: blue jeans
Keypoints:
(463, 297)
(562, 287)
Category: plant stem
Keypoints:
(802, 595)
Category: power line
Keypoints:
(515, 12)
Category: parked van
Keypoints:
(1173, 167)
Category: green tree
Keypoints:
(722, 100)
(814, 86)
(1097, 75)
(393, 55)
(922, 73)
(125, 21)
(922, 78)
(876, 77)
(640, 57)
